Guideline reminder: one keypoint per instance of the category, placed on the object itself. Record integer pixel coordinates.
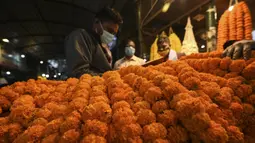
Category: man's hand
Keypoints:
(240, 49)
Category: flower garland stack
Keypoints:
(235, 25)
(196, 99)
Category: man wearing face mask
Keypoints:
(130, 58)
(164, 49)
(87, 51)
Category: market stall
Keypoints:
(201, 97)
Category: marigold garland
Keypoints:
(194, 99)
(235, 25)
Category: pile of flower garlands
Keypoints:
(168, 103)
(235, 25)
(214, 54)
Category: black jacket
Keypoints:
(84, 54)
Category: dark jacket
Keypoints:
(84, 54)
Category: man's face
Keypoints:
(163, 44)
(130, 43)
(110, 27)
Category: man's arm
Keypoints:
(79, 50)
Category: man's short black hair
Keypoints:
(129, 40)
(109, 14)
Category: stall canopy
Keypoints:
(39, 27)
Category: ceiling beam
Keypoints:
(156, 13)
(71, 4)
(149, 12)
(35, 35)
(204, 2)
(36, 20)
(42, 17)
(152, 17)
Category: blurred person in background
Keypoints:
(3, 81)
(87, 51)
(239, 49)
(130, 58)
(164, 49)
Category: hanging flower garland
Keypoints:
(247, 21)
(232, 24)
(223, 30)
(235, 25)
(240, 22)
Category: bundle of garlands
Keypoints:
(235, 25)
(192, 100)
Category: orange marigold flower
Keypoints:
(249, 71)
(153, 94)
(197, 123)
(177, 134)
(191, 83)
(32, 134)
(237, 66)
(145, 117)
(160, 141)
(189, 107)
(99, 110)
(159, 106)
(177, 98)
(153, 131)
(216, 133)
(235, 135)
(225, 63)
(141, 105)
(167, 118)
(70, 136)
(248, 109)
(210, 88)
(237, 109)
(130, 131)
(123, 116)
(243, 90)
(225, 97)
(214, 63)
(120, 104)
(95, 127)
(251, 99)
(93, 138)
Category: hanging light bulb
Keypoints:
(166, 6)
(231, 8)
(5, 40)
(8, 72)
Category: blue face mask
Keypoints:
(129, 51)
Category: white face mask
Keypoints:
(106, 37)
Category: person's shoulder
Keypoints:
(138, 58)
(77, 32)
(119, 61)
